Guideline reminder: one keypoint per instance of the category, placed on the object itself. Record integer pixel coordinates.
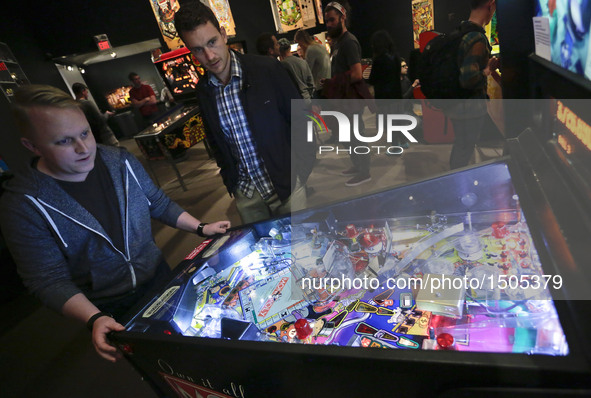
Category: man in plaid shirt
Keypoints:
(476, 64)
(246, 106)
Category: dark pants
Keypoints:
(467, 134)
(119, 306)
(360, 161)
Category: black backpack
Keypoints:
(439, 71)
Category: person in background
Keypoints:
(300, 52)
(347, 77)
(316, 56)
(385, 73)
(78, 221)
(97, 120)
(298, 69)
(407, 87)
(245, 101)
(413, 62)
(167, 97)
(143, 98)
(267, 44)
(469, 116)
(407, 91)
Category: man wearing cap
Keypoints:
(346, 70)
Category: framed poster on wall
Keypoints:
(308, 14)
(164, 11)
(287, 15)
(422, 18)
(221, 9)
(319, 11)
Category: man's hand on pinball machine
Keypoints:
(100, 328)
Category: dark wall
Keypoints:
(516, 39)
(106, 76)
(37, 67)
(450, 13)
(67, 27)
(15, 31)
(252, 18)
(393, 16)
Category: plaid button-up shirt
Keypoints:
(252, 173)
(474, 51)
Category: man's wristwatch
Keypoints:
(199, 230)
(92, 320)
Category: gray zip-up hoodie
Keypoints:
(61, 250)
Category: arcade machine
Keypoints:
(181, 126)
(471, 282)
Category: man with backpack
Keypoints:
(456, 66)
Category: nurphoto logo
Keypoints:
(348, 132)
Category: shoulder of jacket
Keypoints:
(115, 157)
(252, 62)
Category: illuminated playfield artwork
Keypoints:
(448, 263)
(494, 300)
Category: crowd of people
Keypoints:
(77, 221)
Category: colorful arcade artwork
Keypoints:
(287, 15)
(308, 14)
(422, 18)
(493, 34)
(570, 22)
(164, 11)
(319, 11)
(221, 9)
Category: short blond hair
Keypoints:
(38, 95)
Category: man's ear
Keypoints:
(27, 143)
(223, 33)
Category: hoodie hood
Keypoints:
(30, 181)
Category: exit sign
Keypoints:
(102, 42)
(104, 45)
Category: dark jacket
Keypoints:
(385, 76)
(266, 97)
(62, 250)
